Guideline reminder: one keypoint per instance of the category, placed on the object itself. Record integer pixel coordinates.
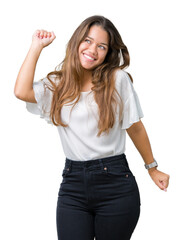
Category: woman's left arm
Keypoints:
(139, 136)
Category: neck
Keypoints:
(87, 76)
(86, 80)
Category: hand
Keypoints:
(161, 179)
(42, 38)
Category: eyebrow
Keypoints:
(100, 43)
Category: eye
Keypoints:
(87, 40)
(101, 47)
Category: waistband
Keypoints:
(93, 162)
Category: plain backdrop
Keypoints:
(32, 158)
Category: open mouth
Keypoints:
(89, 57)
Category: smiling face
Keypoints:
(93, 49)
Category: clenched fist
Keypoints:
(42, 38)
(160, 179)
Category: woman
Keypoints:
(92, 101)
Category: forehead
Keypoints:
(98, 34)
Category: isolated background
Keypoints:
(31, 154)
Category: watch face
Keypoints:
(151, 165)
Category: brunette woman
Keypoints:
(91, 100)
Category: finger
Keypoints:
(37, 33)
(41, 33)
(160, 185)
(45, 34)
(164, 186)
(53, 35)
(49, 34)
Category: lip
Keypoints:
(89, 55)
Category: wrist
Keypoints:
(36, 48)
(150, 170)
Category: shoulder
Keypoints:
(123, 75)
(51, 79)
(44, 87)
(124, 84)
(48, 83)
(123, 78)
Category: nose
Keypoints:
(93, 49)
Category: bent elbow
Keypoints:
(17, 94)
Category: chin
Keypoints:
(89, 68)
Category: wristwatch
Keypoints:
(151, 165)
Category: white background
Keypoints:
(32, 158)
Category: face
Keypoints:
(94, 48)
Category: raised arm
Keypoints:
(24, 83)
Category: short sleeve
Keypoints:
(132, 110)
(43, 96)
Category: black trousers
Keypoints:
(97, 198)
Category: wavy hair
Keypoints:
(69, 74)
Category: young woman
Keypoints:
(93, 103)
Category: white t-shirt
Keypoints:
(79, 140)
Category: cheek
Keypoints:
(82, 47)
(102, 56)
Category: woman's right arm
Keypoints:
(24, 83)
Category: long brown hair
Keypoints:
(69, 74)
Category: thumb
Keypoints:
(162, 186)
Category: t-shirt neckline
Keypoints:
(86, 92)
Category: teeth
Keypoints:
(89, 57)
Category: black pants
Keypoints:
(97, 198)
